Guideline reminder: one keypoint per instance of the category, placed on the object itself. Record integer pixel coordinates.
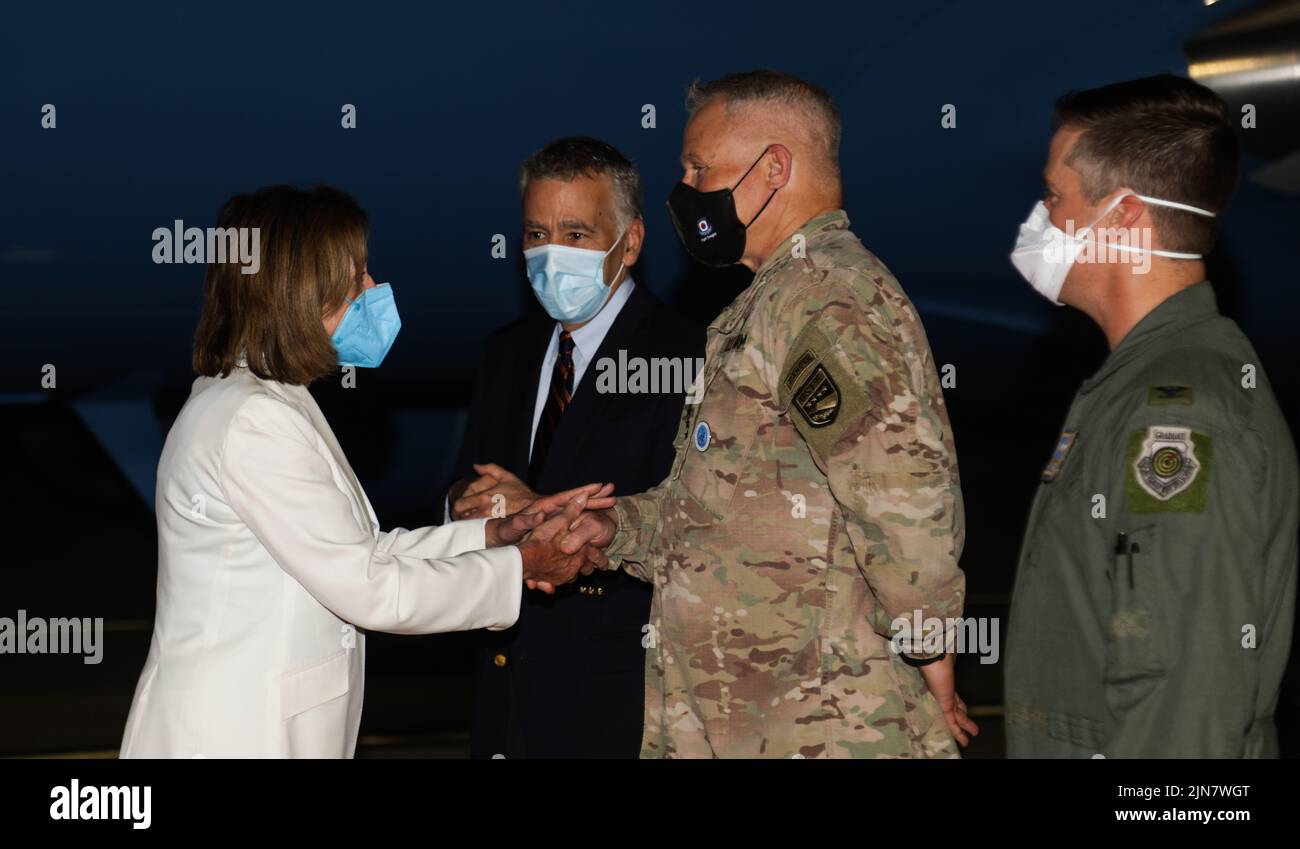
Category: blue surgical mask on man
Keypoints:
(570, 282)
(368, 328)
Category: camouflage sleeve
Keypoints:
(857, 379)
(638, 526)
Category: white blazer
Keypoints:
(270, 564)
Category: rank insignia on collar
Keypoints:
(1063, 445)
(1170, 394)
(818, 398)
(1166, 464)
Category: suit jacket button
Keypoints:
(499, 660)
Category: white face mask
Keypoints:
(1044, 252)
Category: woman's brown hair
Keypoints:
(312, 257)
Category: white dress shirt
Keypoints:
(586, 342)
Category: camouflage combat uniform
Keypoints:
(814, 499)
(1155, 595)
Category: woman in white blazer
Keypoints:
(271, 563)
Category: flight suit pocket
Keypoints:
(1136, 635)
(303, 690)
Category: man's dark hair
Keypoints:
(582, 156)
(1163, 136)
(813, 102)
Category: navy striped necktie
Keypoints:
(557, 399)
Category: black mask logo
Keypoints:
(707, 223)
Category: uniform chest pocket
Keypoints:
(1067, 498)
(721, 434)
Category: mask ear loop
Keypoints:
(1107, 211)
(742, 179)
(1172, 204)
(347, 311)
(347, 308)
(761, 208)
(751, 167)
(621, 265)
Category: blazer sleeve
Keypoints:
(424, 581)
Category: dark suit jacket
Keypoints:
(568, 680)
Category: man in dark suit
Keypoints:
(592, 390)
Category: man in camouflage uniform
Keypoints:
(1155, 595)
(814, 497)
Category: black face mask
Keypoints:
(707, 222)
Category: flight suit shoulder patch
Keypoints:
(1167, 470)
(1170, 394)
(1063, 445)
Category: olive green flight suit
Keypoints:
(1155, 593)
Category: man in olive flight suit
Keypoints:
(813, 509)
(1155, 594)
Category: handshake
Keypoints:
(558, 535)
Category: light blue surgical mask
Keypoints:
(570, 282)
(368, 328)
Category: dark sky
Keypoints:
(164, 110)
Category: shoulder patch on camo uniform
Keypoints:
(1168, 470)
(1170, 394)
(823, 391)
(818, 398)
(801, 364)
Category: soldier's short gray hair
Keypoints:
(812, 102)
(582, 156)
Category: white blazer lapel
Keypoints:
(302, 399)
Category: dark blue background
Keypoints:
(164, 110)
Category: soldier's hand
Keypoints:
(939, 678)
(586, 536)
(546, 565)
(599, 496)
(511, 529)
(592, 528)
